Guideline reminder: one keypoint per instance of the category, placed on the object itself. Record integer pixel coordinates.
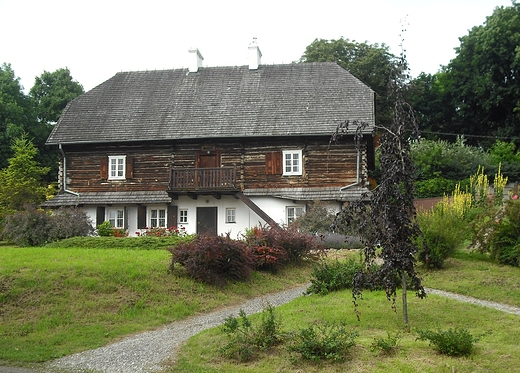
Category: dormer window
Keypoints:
(116, 167)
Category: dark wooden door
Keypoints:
(206, 220)
(208, 178)
(208, 160)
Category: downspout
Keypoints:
(358, 161)
(65, 173)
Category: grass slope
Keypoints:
(57, 301)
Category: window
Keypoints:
(292, 162)
(231, 215)
(183, 216)
(293, 213)
(116, 167)
(158, 218)
(116, 217)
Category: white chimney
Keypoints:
(195, 60)
(254, 55)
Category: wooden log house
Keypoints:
(213, 149)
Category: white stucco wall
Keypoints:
(245, 217)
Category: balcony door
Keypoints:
(208, 159)
(208, 163)
(206, 220)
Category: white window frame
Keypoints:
(117, 167)
(293, 212)
(231, 215)
(158, 217)
(183, 216)
(116, 217)
(292, 162)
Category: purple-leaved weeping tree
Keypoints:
(386, 217)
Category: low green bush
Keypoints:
(443, 230)
(387, 345)
(245, 340)
(214, 259)
(333, 276)
(452, 342)
(127, 243)
(328, 341)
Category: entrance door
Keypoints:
(206, 220)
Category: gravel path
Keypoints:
(484, 303)
(145, 352)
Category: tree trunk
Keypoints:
(405, 301)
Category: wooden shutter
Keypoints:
(103, 169)
(171, 216)
(273, 163)
(129, 174)
(100, 215)
(141, 217)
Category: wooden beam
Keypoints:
(253, 206)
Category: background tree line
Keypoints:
(470, 108)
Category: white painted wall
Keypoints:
(245, 217)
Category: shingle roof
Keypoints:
(274, 100)
(101, 198)
(310, 194)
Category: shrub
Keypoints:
(443, 228)
(214, 259)
(70, 222)
(244, 340)
(129, 243)
(268, 258)
(387, 345)
(323, 341)
(297, 245)
(104, 229)
(28, 228)
(35, 227)
(338, 275)
(317, 219)
(453, 342)
(499, 234)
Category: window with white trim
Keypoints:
(183, 216)
(157, 218)
(292, 162)
(116, 217)
(231, 214)
(116, 167)
(293, 213)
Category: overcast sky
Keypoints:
(96, 39)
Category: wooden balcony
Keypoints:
(198, 181)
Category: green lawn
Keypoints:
(57, 301)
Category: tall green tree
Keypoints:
(22, 180)
(17, 114)
(52, 91)
(372, 63)
(483, 80)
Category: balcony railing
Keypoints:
(203, 179)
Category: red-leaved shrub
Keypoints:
(214, 259)
(296, 245)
